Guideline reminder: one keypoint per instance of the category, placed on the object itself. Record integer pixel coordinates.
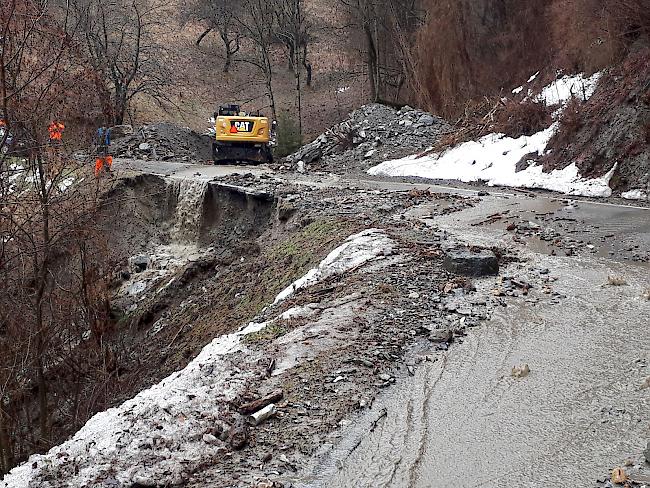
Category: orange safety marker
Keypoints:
(55, 129)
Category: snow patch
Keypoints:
(65, 183)
(165, 417)
(561, 90)
(635, 194)
(355, 251)
(493, 159)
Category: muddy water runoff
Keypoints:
(463, 421)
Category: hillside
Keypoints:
(425, 265)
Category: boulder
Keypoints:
(426, 119)
(440, 336)
(138, 263)
(470, 262)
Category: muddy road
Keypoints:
(462, 418)
(465, 421)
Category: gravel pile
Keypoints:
(371, 134)
(163, 142)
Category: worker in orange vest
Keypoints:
(5, 136)
(55, 130)
(104, 160)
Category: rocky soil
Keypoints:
(326, 350)
(162, 142)
(612, 128)
(371, 134)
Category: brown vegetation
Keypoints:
(524, 118)
(51, 272)
(470, 49)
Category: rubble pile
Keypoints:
(162, 142)
(373, 132)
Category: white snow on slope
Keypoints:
(533, 77)
(66, 183)
(355, 251)
(561, 90)
(154, 437)
(493, 158)
(636, 194)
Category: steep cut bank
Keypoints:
(176, 251)
(611, 130)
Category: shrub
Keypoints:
(518, 119)
(288, 135)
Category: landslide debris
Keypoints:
(372, 133)
(163, 142)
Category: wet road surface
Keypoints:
(463, 420)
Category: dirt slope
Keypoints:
(611, 128)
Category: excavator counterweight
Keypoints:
(241, 137)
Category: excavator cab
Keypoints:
(227, 111)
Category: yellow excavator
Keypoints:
(242, 137)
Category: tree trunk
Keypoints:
(120, 105)
(226, 66)
(43, 270)
(203, 34)
(296, 72)
(268, 73)
(6, 451)
(372, 64)
(306, 64)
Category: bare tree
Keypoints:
(292, 28)
(257, 24)
(218, 16)
(384, 26)
(41, 307)
(121, 42)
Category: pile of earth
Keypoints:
(162, 142)
(372, 133)
(611, 128)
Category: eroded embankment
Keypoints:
(185, 260)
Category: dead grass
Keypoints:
(516, 119)
(570, 124)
